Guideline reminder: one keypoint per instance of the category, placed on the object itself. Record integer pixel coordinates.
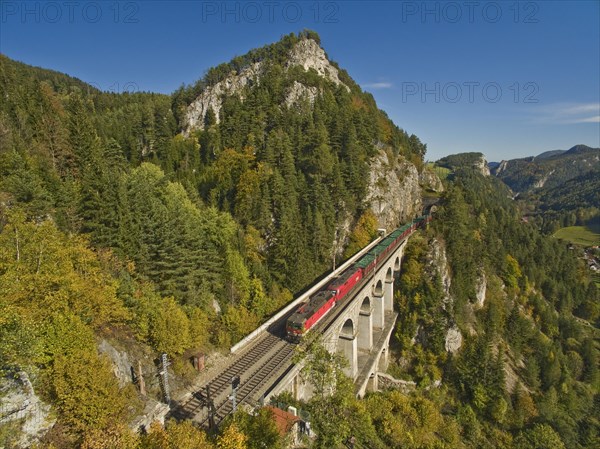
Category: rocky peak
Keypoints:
(501, 167)
(306, 53)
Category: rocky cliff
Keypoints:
(438, 264)
(394, 192)
(23, 414)
(212, 96)
(430, 181)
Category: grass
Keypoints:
(579, 235)
(442, 172)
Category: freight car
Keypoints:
(309, 313)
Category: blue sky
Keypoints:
(509, 79)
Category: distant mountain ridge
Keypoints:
(549, 169)
(60, 82)
(549, 154)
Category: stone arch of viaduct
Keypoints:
(355, 330)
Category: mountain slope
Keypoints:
(59, 81)
(556, 188)
(580, 192)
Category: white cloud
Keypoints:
(582, 108)
(566, 113)
(379, 85)
(594, 119)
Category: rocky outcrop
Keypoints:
(212, 96)
(482, 166)
(216, 306)
(541, 182)
(387, 382)
(121, 364)
(343, 231)
(480, 290)
(439, 262)
(153, 411)
(308, 54)
(453, 340)
(430, 181)
(298, 93)
(393, 192)
(501, 167)
(23, 408)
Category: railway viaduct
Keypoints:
(359, 327)
(361, 331)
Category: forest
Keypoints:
(112, 222)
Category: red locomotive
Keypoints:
(309, 313)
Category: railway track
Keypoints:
(249, 391)
(255, 366)
(258, 367)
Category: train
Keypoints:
(309, 313)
